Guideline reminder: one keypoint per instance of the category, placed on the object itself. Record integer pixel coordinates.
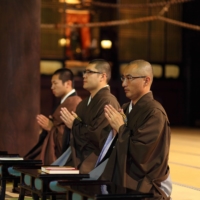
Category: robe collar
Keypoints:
(130, 107)
(90, 98)
(67, 95)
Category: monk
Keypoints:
(140, 158)
(55, 136)
(90, 128)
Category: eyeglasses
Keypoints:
(90, 72)
(130, 78)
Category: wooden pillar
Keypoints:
(19, 74)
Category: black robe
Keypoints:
(89, 135)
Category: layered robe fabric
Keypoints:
(53, 143)
(90, 134)
(140, 158)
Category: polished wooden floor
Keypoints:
(184, 164)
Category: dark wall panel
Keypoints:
(19, 74)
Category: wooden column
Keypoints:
(19, 74)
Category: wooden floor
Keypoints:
(184, 164)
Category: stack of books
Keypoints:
(59, 170)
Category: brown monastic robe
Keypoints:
(50, 144)
(90, 134)
(140, 158)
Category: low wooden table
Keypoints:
(4, 175)
(102, 191)
(3, 152)
(44, 179)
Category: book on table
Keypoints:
(11, 157)
(59, 170)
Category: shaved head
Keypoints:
(136, 79)
(142, 67)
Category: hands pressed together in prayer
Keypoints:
(44, 122)
(114, 117)
(67, 117)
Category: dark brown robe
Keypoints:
(90, 134)
(140, 158)
(53, 143)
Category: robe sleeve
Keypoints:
(145, 141)
(59, 127)
(94, 132)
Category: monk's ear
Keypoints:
(68, 83)
(104, 76)
(147, 80)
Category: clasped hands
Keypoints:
(114, 117)
(44, 122)
(67, 117)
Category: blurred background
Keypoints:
(121, 31)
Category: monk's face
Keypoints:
(58, 88)
(91, 78)
(133, 83)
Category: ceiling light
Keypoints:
(106, 44)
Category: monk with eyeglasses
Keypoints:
(140, 158)
(89, 126)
